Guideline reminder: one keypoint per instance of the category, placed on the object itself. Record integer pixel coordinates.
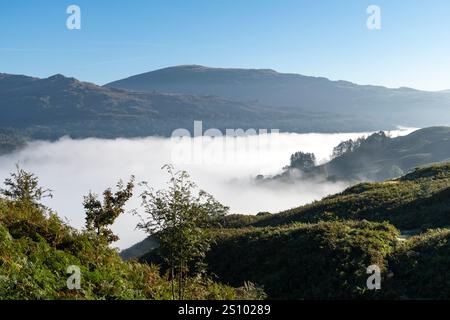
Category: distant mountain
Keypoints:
(403, 106)
(139, 249)
(52, 107)
(156, 103)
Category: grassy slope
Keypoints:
(420, 267)
(35, 251)
(292, 254)
(322, 250)
(324, 260)
(380, 158)
(418, 200)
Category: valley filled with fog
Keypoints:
(224, 167)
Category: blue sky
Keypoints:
(312, 37)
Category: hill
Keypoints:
(402, 106)
(139, 249)
(375, 158)
(158, 102)
(327, 260)
(380, 157)
(11, 140)
(322, 250)
(37, 248)
(418, 200)
(56, 106)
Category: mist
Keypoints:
(224, 167)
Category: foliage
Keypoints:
(179, 217)
(10, 141)
(380, 157)
(420, 267)
(302, 161)
(376, 158)
(24, 188)
(36, 250)
(324, 260)
(100, 215)
(419, 200)
(327, 255)
(346, 147)
(321, 250)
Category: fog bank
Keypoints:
(222, 166)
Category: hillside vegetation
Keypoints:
(37, 248)
(374, 158)
(322, 250)
(10, 141)
(418, 200)
(380, 157)
(324, 260)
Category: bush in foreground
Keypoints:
(36, 248)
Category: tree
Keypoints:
(303, 161)
(346, 147)
(179, 217)
(24, 187)
(100, 215)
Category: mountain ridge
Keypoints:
(196, 67)
(396, 106)
(175, 97)
(56, 106)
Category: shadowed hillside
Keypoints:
(380, 157)
(56, 106)
(37, 248)
(322, 250)
(375, 158)
(403, 106)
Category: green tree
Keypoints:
(303, 161)
(24, 187)
(179, 217)
(346, 147)
(101, 214)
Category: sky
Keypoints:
(325, 38)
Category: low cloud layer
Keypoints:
(223, 166)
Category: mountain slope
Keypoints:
(322, 250)
(418, 200)
(380, 157)
(327, 260)
(37, 249)
(375, 158)
(56, 106)
(394, 106)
